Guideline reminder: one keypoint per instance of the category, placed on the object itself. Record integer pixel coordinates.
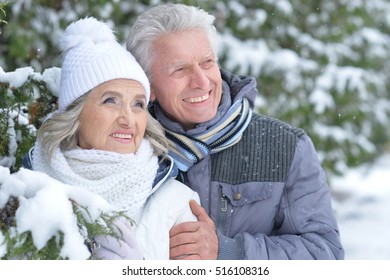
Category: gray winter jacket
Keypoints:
(268, 194)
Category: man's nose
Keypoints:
(199, 78)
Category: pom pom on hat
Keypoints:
(84, 30)
(93, 56)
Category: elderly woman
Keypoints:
(103, 139)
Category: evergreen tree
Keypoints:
(320, 65)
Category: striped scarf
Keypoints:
(188, 150)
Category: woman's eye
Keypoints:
(140, 104)
(109, 100)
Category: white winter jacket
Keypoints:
(167, 205)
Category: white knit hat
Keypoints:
(93, 56)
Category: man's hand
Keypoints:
(194, 240)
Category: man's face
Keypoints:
(186, 78)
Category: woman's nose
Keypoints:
(126, 117)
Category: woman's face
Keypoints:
(114, 117)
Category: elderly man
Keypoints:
(263, 191)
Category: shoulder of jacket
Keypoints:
(173, 189)
(268, 124)
(172, 198)
(268, 143)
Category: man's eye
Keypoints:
(208, 63)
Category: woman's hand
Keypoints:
(125, 247)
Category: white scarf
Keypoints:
(124, 180)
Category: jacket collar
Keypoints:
(166, 170)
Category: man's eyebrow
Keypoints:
(181, 63)
(208, 54)
(176, 64)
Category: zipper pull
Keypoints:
(222, 214)
(223, 203)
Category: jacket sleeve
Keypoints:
(185, 213)
(305, 227)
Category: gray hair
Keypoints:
(61, 130)
(163, 19)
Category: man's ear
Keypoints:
(152, 95)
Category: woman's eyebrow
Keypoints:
(112, 92)
(140, 96)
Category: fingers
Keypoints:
(109, 248)
(102, 253)
(183, 240)
(183, 227)
(193, 240)
(190, 257)
(122, 246)
(126, 233)
(196, 208)
(182, 237)
(200, 213)
(183, 251)
(203, 248)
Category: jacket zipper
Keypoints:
(183, 178)
(222, 212)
